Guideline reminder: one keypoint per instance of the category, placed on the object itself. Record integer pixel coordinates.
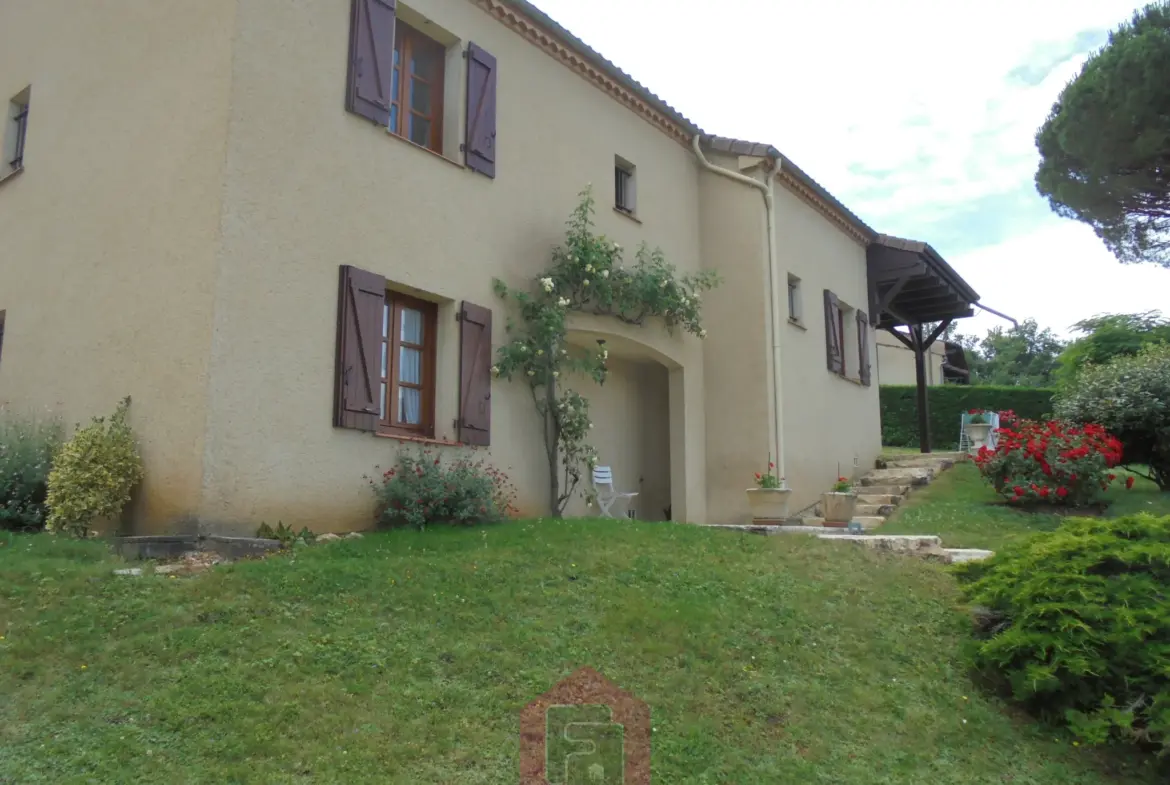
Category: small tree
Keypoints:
(1130, 397)
(586, 275)
(1105, 148)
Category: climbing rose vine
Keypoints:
(587, 274)
(1050, 462)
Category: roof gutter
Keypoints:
(775, 380)
(983, 307)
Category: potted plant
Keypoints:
(978, 429)
(769, 499)
(838, 505)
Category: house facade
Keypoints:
(277, 229)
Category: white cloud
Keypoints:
(943, 97)
(1062, 272)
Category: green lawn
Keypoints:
(406, 657)
(961, 508)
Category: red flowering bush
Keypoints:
(1049, 462)
(422, 489)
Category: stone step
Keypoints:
(920, 459)
(895, 491)
(866, 521)
(900, 543)
(878, 510)
(879, 498)
(962, 555)
(911, 476)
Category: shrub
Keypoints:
(1077, 624)
(420, 490)
(948, 402)
(93, 474)
(1131, 397)
(26, 454)
(1050, 462)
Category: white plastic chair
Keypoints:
(602, 478)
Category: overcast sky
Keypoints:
(919, 115)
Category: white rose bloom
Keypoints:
(523, 347)
(539, 352)
(588, 268)
(605, 273)
(616, 247)
(563, 302)
(585, 282)
(556, 374)
(495, 370)
(547, 283)
(702, 333)
(532, 373)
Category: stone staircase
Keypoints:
(882, 490)
(879, 493)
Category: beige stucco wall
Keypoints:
(108, 235)
(736, 349)
(309, 187)
(895, 363)
(829, 422)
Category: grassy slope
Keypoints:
(406, 657)
(967, 513)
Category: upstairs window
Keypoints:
(416, 89)
(625, 186)
(794, 299)
(15, 132)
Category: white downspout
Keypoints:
(767, 188)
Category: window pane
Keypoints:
(386, 321)
(394, 118)
(422, 64)
(420, 130)
(385, 351)
(382, 404)
(409, 406)
(420, 96)
(394, 84)
(412, 326)
(410, 366)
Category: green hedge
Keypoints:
(947, 403)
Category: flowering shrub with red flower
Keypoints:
(769, 479)
(422, 489)
(1049, 462)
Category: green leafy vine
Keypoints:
(587, 275)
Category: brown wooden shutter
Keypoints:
(361, 300)
(863, 347)
(371, 59)
(833, 337)
(480, 147)
(475, 375)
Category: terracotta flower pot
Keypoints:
(769, 505)
(837, 508)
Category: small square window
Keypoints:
(15, 132)
(794, 299)
(625, 186)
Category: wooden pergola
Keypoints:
(911, 286)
